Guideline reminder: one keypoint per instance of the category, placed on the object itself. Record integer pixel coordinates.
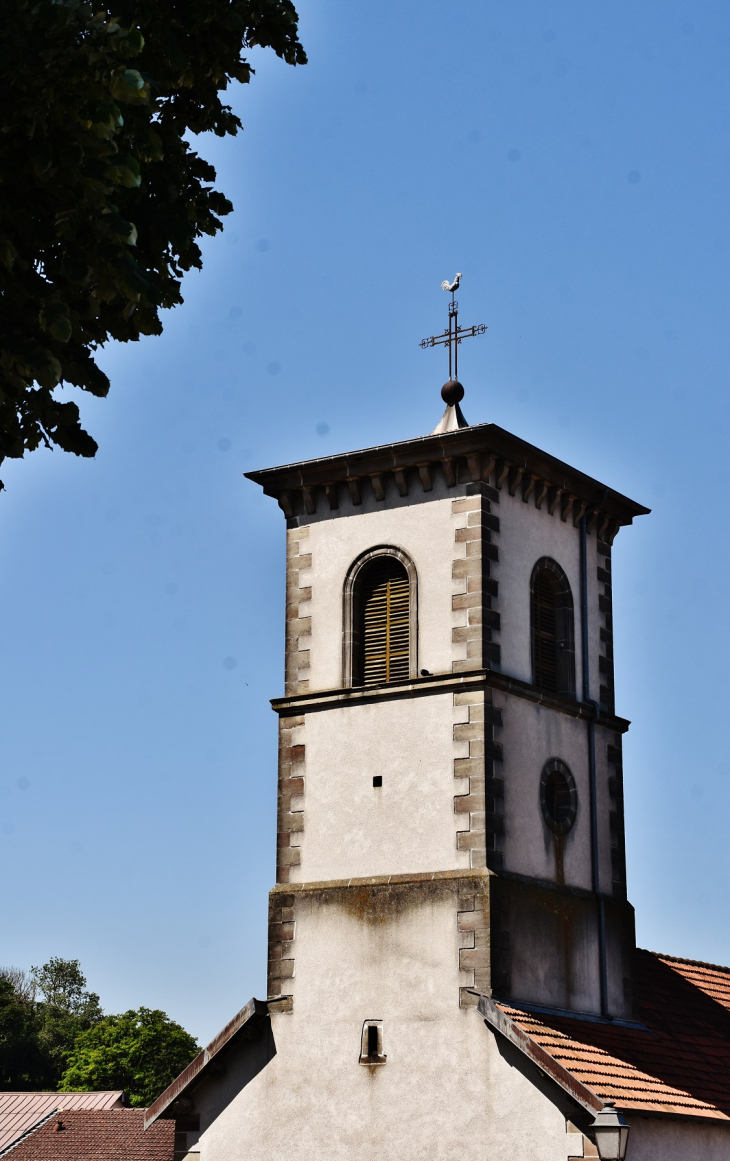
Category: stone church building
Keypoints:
(452, 963)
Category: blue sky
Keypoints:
(572, 160)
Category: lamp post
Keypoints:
(610, 1133)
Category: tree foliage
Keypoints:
(41, 1014)
(54, 1036)
(141, 1052)
(103, 199)
(21, 1060)
(64, 1010)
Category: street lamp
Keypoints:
(610, 1133)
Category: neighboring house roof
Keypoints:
(97, 1135)
(676, 1060)
(245, 1023)
(21, 1111)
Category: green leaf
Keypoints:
(128, 172)
(134, 41)
(45, 367)
(54, 318)
(8, 253)
(61, 329)
(120, 226)
(129, 86)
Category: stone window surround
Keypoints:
(350, 601)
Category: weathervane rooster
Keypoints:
(451, 286)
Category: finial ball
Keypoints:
(452, 392)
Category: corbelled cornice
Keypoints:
(484, 453)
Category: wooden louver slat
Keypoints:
(544, 633)
(385, 610)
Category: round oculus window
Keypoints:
(558, 796)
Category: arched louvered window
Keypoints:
(385, 622)
(551, 617)
(380, 621)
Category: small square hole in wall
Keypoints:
(378, 780)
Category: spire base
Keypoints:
(451, 420)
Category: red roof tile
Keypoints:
(20, 1111)
(679, 1062)
(710, 978)
(97, 1135)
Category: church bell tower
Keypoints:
(450, 786)
(450, 809)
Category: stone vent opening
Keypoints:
(371, 1045)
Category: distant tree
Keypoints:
(21, 982)
(21, 1061)
(41, 1014)
(103, 199)
(54, 1036)
(64, 1010)
(140, 1052)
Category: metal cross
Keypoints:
(454, 334)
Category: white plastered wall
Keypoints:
(445, 1093)
(532, 734)
(352, 828)
(666, 1139)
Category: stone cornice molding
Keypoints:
(319, 886)
(325, 699)
(481, 453)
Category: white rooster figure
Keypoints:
(452, 286)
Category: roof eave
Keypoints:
(249, 1017)
(584, 1100)
(494, 444)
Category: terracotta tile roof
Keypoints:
(20, 1111)
(97, 1135)
(710, 978)
(679, 1062)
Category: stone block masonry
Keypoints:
(479, 801)
(473, 925)
(475, 620)
(290, 807)
(298, 618)
(281, 949)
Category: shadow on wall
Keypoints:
(239, 1065)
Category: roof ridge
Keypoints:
(718, 967)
